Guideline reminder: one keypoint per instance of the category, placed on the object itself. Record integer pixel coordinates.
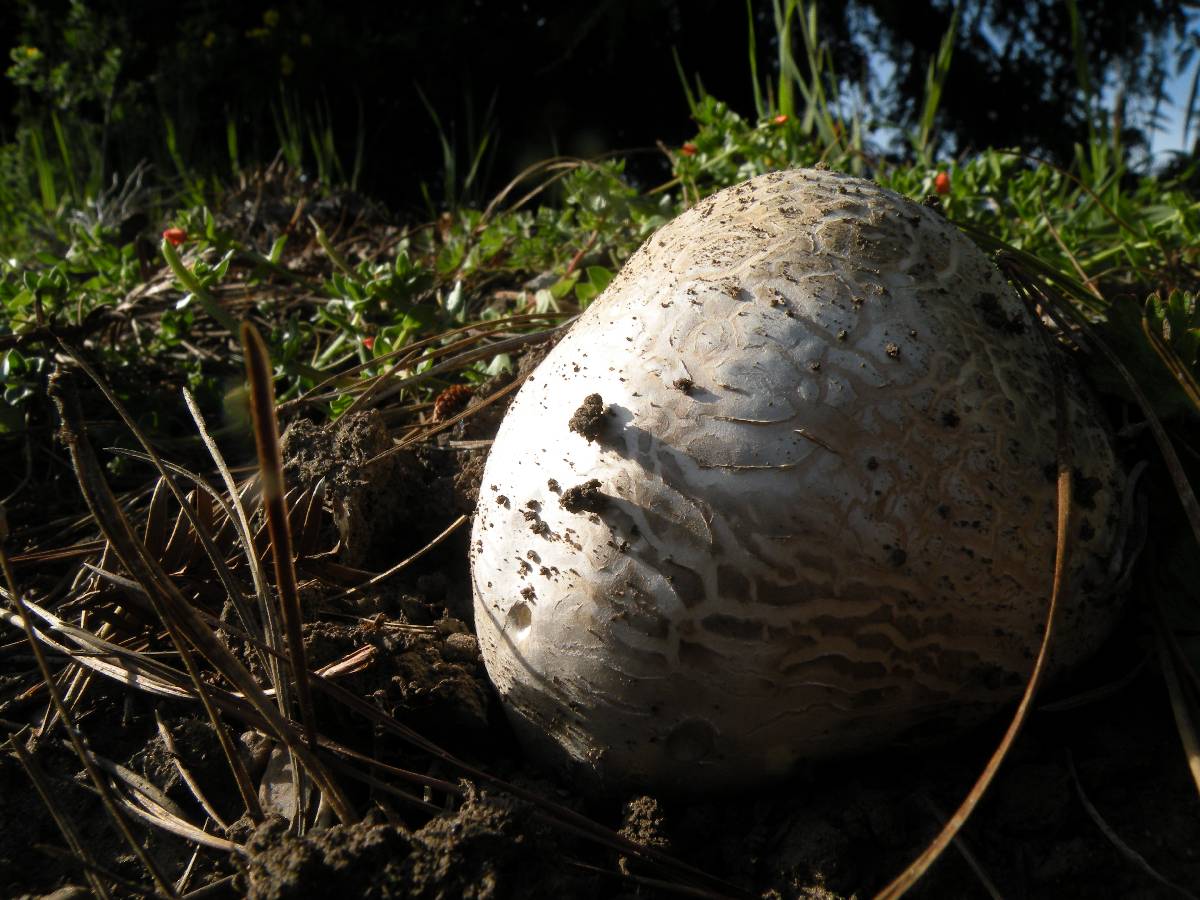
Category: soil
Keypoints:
(488, 847)
(588, 420)
(584, 497)
(1095, 799)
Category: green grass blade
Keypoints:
(935, 81)
(45, 174)
(785, 97)
(64, 152)
(752, 53)
(683, 80)
(192, 284)
(231, 144)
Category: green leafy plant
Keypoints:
(1177, 319)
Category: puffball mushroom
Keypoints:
(785, 491)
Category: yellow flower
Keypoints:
(210, 40)
(306, 40)
(271, 18)
(31, 52)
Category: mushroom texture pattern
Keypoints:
(785, 491)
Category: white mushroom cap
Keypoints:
(821, 508)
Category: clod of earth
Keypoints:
(838, 533)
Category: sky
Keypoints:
(1170, 136)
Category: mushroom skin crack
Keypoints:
(812, 502)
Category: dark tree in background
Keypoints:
(1015, 80)
(543, 76)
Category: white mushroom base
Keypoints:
(826, 502)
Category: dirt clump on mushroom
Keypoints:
(584, 497)
(588, 420)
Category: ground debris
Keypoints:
(434, 681)
(382, 502)
(491, 847)
(644, 823)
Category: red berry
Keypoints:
(941, 183)
(369, 343)
(688, 149)
(174, 236)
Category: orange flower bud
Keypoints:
(174, 236)
(941, 183)
(688, 149)
(369, 342)
(780, 119)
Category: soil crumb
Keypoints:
(588, 420)
(491, 847)
(378, 507)
(584, 497)
(433, 680)
(199, 751)
(644, 822)
(355, 492)
(468, 478)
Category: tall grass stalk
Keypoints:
(935, 82)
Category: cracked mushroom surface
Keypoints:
(843, 528)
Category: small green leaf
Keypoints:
(563, 286)
(599, 277)
(585, 293)
(277, 249)
(456, 303)
(499, 364)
